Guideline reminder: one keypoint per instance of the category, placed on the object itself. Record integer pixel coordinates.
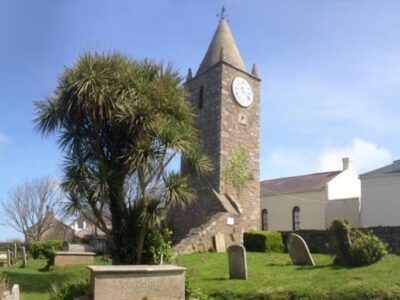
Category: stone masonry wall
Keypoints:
(318, 240)
(200, 239)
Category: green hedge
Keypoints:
(44, 249)
(263, 241)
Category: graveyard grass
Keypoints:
(271, 276)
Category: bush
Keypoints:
(263, 241)
(354, 248)
(69, 290)
(158, 243)
(44, 249)
(192, 291)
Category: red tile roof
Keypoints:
(296, 184)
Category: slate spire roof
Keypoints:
(222, 47)
(393, 168)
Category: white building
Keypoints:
(381, 196)
(311, 201)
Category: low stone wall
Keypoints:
(318, 240)
(137, 282)
(63, 258)
(13, 294)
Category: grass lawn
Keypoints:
(272, 276)
(35, 283)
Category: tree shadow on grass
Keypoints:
(327, 266)
(34, 282)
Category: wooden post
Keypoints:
(8, 257)
(24, 259)
(15, 253)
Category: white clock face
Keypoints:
(242, 91)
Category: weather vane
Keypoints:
(222, 15)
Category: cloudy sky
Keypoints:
(330, 71)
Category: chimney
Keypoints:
(346, 163)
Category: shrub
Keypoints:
(158, 243)
(354, 248)
(44, 249)
(192, 291)
(263, 241)
(69, 290)
(4, 285)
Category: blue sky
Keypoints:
(330, 71)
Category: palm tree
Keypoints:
(120, 123)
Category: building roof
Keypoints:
(296, 184)
(222, 47)
(393, 168)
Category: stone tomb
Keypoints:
(298, 251)
(137, 282)
(73, 254)
(219, 242)
(3, 259)
(237, 262)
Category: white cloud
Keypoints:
(365, 156)
(4, 139)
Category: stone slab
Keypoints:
(298, 251)
(63, 258)
(219, 240)
(137, 282)
(237, 262)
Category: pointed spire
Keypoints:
(254, 70)
(222, 38)
(189, 75)
(221, 54)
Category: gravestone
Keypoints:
(219, 240)
(237, 262)
(68, 247)
(8, 257)
(24, 259)
(298, 251)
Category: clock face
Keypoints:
(242, 91)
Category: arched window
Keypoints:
(264, 219)
(296, 218)
(201, 97)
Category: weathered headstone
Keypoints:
(219, 240)
(237, 262)
(24, 259)
(76, 247)
(298, 251)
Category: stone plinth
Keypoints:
(137, 282)
(63, 258)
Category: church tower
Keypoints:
(226, 99)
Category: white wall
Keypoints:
(380, 200)
(348, 209)
(280, 208)
(345, 185)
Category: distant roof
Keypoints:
(296, 184)
(222, 41)
(393, 168)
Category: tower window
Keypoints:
(264, 219)
(296, 218)
(201, 97)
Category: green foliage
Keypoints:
(354, 248)
(158, 243)
(120, 122)
(69, 290)
(263, 241)
(192, 291)
(44, 249)
(237, 173)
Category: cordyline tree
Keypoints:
(120, 122)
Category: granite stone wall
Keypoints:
(318, 240)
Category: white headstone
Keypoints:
(298, 251)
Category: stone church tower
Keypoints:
(226, 98)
